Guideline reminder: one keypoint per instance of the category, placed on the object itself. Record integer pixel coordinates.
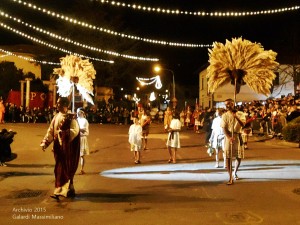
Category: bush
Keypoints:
(291, 132)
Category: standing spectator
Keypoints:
(173, 142)
(207, 122)
(6, 115)
(64, 133)
(28, 115)
(160, 116)
(12, 113)
(247, 129)
(126, 116)
(17, 114)
(232, 123)
(34, 114)
(282, 120)
(275, 121)
(116, 113)
(2, 111)
(22, 114)
(135, 139)
(132, 116)
(120, 117)
(293, 113)
(84, 132)
(50, 114)
(217, 137)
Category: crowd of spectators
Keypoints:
(107, 114)
(271, 114)
(268, 117)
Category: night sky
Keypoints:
(279, 32)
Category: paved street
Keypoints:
(115, 191)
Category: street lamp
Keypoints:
(157, 68)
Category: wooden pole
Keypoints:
(232, 128)
(73, 98)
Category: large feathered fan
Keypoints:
(75, 71)
(241, 62)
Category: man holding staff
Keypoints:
(232, 123)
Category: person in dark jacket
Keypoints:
(6, 138)
(293, 113)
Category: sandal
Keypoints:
(81, 172)
(236, 177)
(56, 197)
(230, 182)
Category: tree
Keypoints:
(10, 76)
(289, 73)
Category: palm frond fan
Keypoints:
(241, 62)
(75, 71)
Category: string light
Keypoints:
(53, 35)
(110, 32)
(27, 59)
(136, 99)
(50, 45)
(161, 10)
(149, 81)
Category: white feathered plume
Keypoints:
(76, 71)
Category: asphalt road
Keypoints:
(115, 191)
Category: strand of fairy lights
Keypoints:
(111, 32)
(50, 45)
(27, 59)
(161, 10)
(149, 81)
(53, 35)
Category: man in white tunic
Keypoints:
(232, 123)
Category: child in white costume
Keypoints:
(135, 139)
(174, 137)
(84, 132)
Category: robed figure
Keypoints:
(64, 133)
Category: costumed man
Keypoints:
(188, 115)
(145, 123)
(196, 116)
(232, 123)
(64, 133)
